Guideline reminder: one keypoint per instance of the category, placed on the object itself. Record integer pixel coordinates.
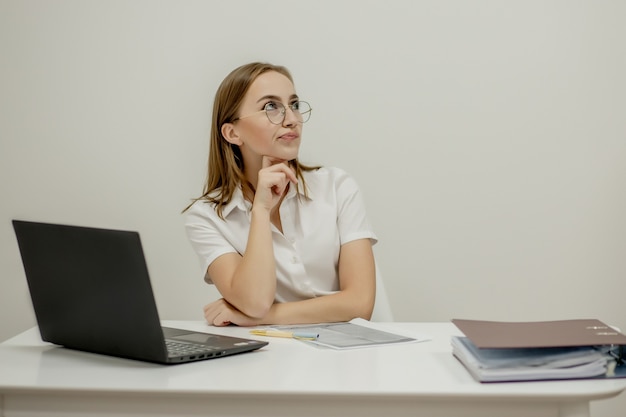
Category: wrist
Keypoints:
(260, 210)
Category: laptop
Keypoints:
(91, 291)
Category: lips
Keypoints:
(289, 136)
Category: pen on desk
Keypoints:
(280, 333)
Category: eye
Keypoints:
(270, 106)
(295, 106)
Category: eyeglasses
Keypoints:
(276, 112)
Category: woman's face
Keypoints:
(255, 134)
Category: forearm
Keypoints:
(253, 284)
(357, 283)
(341, 306)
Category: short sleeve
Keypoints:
(352, 219)
(206, 233)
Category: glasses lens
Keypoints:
(276, 111)
(302, 110)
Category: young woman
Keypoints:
(282, 242)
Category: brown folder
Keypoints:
(498, 334)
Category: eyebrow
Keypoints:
(273, 97)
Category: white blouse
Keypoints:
(314, 228)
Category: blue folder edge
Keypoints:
(618, 365)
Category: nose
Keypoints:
(291, 118)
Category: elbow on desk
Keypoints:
(362, 310)
(254, 304)
(257, 308)
(364, 313)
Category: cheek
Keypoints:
(257, 143)
(259, 137)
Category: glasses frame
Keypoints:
(305, 115)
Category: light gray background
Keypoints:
(487, 136)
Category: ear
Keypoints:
(229, 132)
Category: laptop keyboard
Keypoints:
(183, 349)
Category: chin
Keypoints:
(286, 156)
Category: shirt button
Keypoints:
(294, 259)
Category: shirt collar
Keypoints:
(237, 201)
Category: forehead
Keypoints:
(270, 83)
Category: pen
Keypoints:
(280, 333)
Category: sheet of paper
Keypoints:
(357, 333)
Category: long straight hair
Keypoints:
(225, 165)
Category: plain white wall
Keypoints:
(487, 136)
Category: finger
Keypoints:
(220, 323)
(279, 183)
(209, 315)
(291, 175)
(268, 161)
(220, 320)
(211, 310)
(215, 317)
(287, 170)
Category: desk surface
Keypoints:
(419, 371)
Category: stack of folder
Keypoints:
(532, 351)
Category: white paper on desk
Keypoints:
(357, 333)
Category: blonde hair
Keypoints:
(225, 171)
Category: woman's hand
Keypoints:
(272, 182)
(222, 313)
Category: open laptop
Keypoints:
(91, 291)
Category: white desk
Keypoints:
(286, 378)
